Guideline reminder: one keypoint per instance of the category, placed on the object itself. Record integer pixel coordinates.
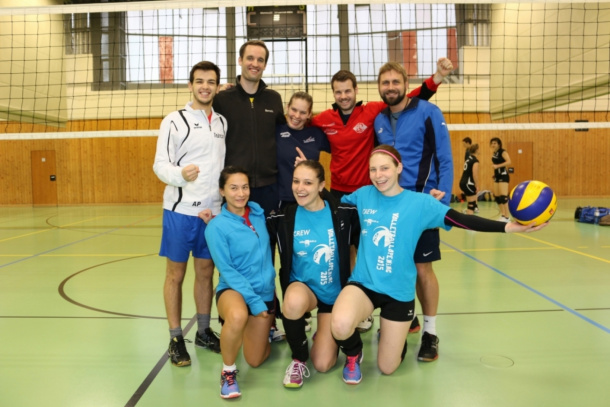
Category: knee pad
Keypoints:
(472, 205)
(502, 199)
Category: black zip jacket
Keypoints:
(250, 138)
(347, 233)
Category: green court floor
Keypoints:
(524, 321)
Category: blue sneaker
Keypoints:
(351, 371)
(229, 389)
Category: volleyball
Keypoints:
(532, 202)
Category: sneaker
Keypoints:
(351, 371)
(229, 389)
(276, 335)
(476, 209)
(177, 352)
(428, 352)
(209, 340)
(366, 325)
(504, 219)
(415, 327)
(295, 372)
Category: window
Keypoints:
(473, 24)
(158, 40)
(109, 51)
(77, 33)
(158, 47)
(416, 35)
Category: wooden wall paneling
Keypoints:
(132, 180)
(16, 175)
(154, 188)
(87, 170)
(119, 170)
(112, 180)
(69, 184)
(139, 175)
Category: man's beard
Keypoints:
(394, 102)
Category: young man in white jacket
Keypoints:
(190, 155)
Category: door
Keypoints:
(44, 185)
(522, 158)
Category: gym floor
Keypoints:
(524, 320)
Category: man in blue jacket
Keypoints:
(417, 129)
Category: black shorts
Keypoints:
(391, 309)
(270, 304)
(323, 308)
(501, 178)
(428, 247)
(468, 189)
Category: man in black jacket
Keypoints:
(252, 111)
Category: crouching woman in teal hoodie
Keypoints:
(239, 244)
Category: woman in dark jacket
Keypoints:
(313, 240)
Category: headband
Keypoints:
(388, 153)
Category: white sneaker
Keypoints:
(504, 219)
(295, 372)
(276, 335)
(366, 325)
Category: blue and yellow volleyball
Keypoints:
(532, 202)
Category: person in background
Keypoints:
(190, 140)
(500, 161)
(296, 141)
(466, 142)
(392, 220)
(470, 179)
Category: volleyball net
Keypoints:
(100, 68)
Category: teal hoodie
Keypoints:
(243, 256)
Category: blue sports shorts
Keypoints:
(183, 234)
